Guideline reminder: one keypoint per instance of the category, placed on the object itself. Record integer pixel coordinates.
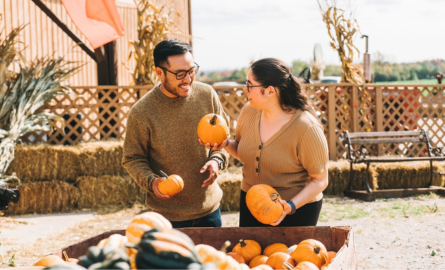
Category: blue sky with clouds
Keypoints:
(229, 34)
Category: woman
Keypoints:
(281, 144)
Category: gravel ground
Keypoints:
(404, 233)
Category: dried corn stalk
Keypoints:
(23, 93)
(154, 26)
(342, 31)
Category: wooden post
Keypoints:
(379, 114)
(355, 106)
(332, 137)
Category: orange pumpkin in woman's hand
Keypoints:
(172, 184)
(263, 202)
(212, 128)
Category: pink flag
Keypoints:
(98, 20)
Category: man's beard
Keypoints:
(172, 90)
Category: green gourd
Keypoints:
(104, 258)
(163, 248)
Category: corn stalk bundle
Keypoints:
(154, 26)
(23, 93)
(342, 31)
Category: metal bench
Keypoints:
(360, 155)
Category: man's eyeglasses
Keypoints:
(181, 74)
(250, 86)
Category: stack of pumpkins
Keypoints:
(150, 242)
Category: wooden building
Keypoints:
(43, 36)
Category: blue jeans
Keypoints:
(211, 220)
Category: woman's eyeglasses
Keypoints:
(181, 74)
(251, 86)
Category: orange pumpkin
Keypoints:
(249, 249)
(237, 257)
(145, 222)
(277, 259)
(212, 128)
(331, 255)
(276, 247)
(263, 202)
(172, 184)
(258, 260)
(305, 266)
(310, 250)
(49, 260)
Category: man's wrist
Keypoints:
(292, 206)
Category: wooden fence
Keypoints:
(98, 113)
(42, 37)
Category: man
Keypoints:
(162, 135)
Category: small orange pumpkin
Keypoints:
(277, 259)
(145, 222)
(49, 260)
(311, 250)
(263, 202)
(212, 128)
(302, 266)
(172, 184)
(258, 260)
(249, 249)
(276, 247)
(331, 255)
(237, 257)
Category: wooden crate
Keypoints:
(339, 239)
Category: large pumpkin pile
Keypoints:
(150, 242)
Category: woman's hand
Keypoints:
(215, 147)
(286, 210)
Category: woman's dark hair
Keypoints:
(167, 48)
(274, 72)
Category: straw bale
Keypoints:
(44, 197)
(101, 158)
(339, 177)
(415, 174)
(108, 190)
(230, 184)
(45, 162)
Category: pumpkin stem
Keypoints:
(243, 244)
(317, 250)
(274, 196)
(65, 256)
(225, 246)
(163, 174)
(213, 120)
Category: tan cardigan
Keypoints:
(285, 160)
(162, 135)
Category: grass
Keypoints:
(335, 209)
(423, 81)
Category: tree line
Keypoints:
(382, 71)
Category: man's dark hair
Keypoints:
(167, 48)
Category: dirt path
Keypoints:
(406, 233)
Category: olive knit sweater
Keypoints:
(161, 135)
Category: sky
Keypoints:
(230, 34)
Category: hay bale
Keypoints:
(230, 184)
(44, 197)
(415, 174)
(339, 177)
(108, 190)
(101, 158)
(45, 162)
